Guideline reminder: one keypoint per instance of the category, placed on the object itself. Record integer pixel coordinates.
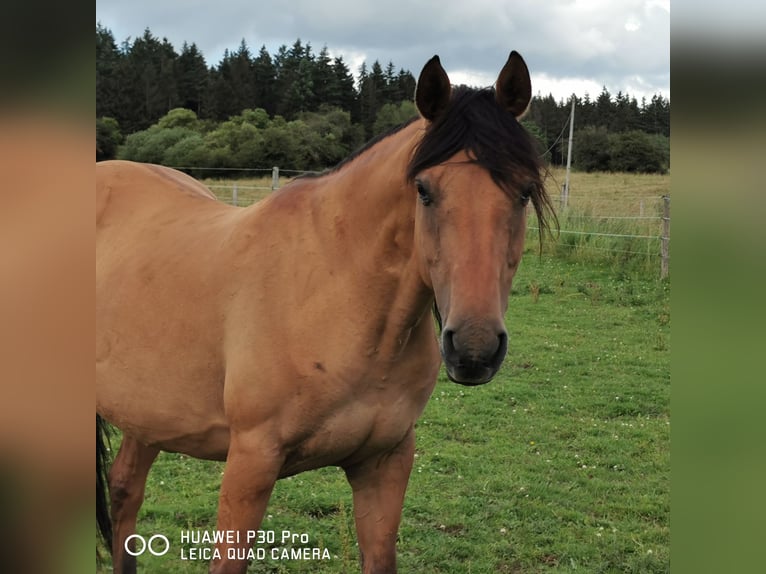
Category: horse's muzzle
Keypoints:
(473, 355)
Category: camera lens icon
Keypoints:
(153, 545)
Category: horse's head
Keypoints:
(473, 173)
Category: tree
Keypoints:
(655, 117)
(299, 95)
(231, 87)
(604, 108)
(293, 81)
(372, 88)
(534, 130)
(148, 82)
(264, 78)
(391, 93)
(406, 85)
(241, 78)
(192, 78)
(343, 94)
(108, 64)
(323, 80)
(585, 111)
(220, 100)
(551, 118)
(138, 82)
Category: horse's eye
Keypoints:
(423, 194)
(527, 192)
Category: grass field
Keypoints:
(562, 463)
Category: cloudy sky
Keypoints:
(570, 46)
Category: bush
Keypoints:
(188, 152)
(108, 138)
(179, 118)
(591, 149)
(595, 149)
(151, 145)
(636, 152)
(534, 130)
(392, 115)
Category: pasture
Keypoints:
(561, 463)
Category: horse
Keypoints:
(298, 332)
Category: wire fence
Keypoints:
(602, 226)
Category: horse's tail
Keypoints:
(103, 520)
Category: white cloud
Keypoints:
(600, 41)
(632, 24)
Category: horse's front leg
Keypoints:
(252, 468)
(379, 484)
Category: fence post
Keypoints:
(665, 245)
(274, 178)
(234, 195)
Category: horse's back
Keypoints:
(136, 186)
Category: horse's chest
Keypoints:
(376, 421)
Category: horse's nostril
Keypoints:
(502, 340)
(502, 347)
(448, 342)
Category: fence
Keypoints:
(619, 223)
(614, 230)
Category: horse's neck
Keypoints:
(368, 210)
(367, 206)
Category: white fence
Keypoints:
(243, 194)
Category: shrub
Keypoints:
(188, 152)
(595, 149)
(108, 138)
(636, 152)
(392, 115)
(179, 118)
(151, 145)
(591, 149)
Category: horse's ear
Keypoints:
(433, 90)
(513, 90)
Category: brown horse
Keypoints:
(297, 333)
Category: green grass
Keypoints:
(562, 463)
(612, 218)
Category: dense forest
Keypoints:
(303, 110)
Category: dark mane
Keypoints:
(475, 123)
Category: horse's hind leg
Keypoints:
(127, 481)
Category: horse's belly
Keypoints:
(200, 436)
(174, 406)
